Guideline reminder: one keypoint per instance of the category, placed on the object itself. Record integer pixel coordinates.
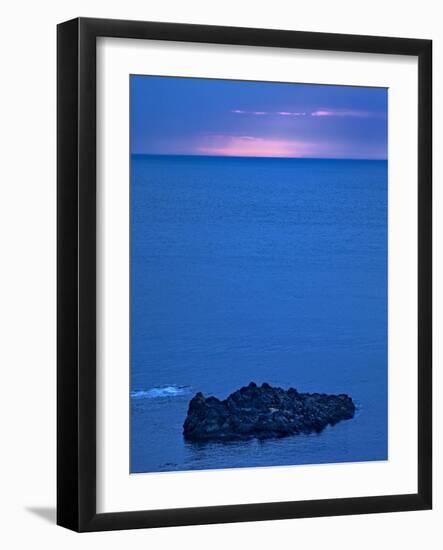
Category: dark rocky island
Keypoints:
(263, 412)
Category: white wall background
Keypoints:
(27, 276)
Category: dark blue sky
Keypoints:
(190, 116)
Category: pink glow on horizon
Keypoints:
(250, 146)
(227, 145)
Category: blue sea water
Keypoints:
(264, 270)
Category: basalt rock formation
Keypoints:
(263, 412)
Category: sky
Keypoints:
(196, 116)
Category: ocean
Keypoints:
(256, 269)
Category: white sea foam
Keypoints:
(160, 391)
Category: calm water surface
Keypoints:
(257, 270)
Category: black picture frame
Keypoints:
(76, 266)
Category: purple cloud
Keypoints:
(340, 113)
(290, 113)
(267, 113)
(317, 113)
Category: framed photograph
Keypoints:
(244, 274)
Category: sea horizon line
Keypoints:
(255, 157)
